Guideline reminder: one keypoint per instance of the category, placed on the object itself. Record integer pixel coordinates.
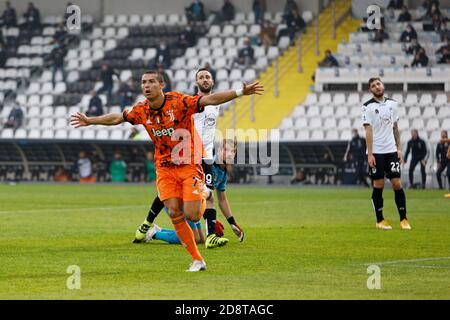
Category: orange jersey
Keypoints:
(168, 127)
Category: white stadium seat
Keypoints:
(61, 134)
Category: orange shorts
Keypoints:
(183, 181)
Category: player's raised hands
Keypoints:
(254, 88)
(79, 120)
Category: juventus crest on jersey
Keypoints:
(381, 116)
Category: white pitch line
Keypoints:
(407, 261)
(125, 207)
(71, 209)
(432, 266)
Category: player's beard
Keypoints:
(204, 89)
(378, 96)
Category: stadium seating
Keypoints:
(220, 47)
(388, 59)
(332, 117)
(128, 44)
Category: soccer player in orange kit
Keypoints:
(178, 148)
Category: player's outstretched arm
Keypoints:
(81, 120)
(225, 96)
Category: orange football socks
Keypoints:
(186, 236)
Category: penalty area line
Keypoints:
(406, 261)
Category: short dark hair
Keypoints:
(159, 76)
(200, 70)
(371, 80)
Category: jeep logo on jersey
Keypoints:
(163, 132)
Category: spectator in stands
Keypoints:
(395, 4)
(329, 61)
(187, 38)
(15, 117)
(442, 48)
(32, 17)
(225, 14)
(163, 55)
(95, 105)
(57, 56)
(294, 23)
(433, 11)
(443, 162)
(118, 168)
(380, 35)
(165, 75)
(246, 55)
(445, 58)
(409, 34)
(3, 55)
(420, 59)
(290, 6)
(268, 34)
(259, 8)
(444, 32)
(404, 16)
(427, 4)
(126, 93)
(150, 167)
(413, 47)
(356, 153)
(84, 168)
(106, 76)
(419, 153)
(196, 11)
(60, 33)
(9, 16)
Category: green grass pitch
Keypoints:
(308, 243)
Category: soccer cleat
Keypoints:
(447, 195)
(404, 224)
(151, 233)
(141, 232)
(197, 265)
(213, 241)
(238, 231)
(384, 225)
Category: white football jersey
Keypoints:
(381, 117)
(205, 124)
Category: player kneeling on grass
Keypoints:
(225, 155)
(224, 158)
(380, 118)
